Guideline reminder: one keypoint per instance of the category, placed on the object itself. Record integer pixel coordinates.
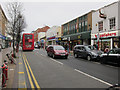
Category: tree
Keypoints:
(16, 21)
(21, 24)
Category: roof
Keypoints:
(3, 13)
(44, 29)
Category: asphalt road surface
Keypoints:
(68, 73)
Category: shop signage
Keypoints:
(3, 37)
(51, 38)
(106, 34)
(79, 36)
(64, 38)
(59, 39)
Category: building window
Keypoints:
(112, 23)
(85, 26)
(82, 26)
(100, 26)
(65, 30)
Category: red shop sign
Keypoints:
(106, 35)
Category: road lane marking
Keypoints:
(56, 61)
(93, 77)
(22, 88)
(36, 83)
(21, 72)
(20, 63)
(11, 69)
(30, 79)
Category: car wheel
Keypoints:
(89, 58)
(66, 57)
(103, 61)
(75, 55)
(48, 54)
(53, 56)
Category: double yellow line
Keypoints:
(28, 68)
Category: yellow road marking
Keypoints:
(22, 88)
(23, 83)
(20, 63)
(32, 74)
(21, 72)
(30, 80)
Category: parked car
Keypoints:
(56, 51)
(112, 56)
(86, 51)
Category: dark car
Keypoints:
(86, 51)
(112, 56)
(56, 51)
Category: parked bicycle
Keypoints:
(10, 57)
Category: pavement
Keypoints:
(16, 79)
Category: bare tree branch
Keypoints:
(16, 21)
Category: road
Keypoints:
(46, 72)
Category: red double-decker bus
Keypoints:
(28, 41)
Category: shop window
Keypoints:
(112, 23)
(100, 26)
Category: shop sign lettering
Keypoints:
(106, 35)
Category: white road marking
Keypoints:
(11, 69)
(41, 55)
(96, 62)
(93, 77)
(56, 61)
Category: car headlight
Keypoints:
(93, 53)
(66, 52)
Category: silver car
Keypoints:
(87, 51)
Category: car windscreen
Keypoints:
(58, 48)
(92, 47)
(117, 51)
(87, 48)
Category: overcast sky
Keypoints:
(56, 12)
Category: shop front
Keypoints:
(107, 39)
(53, 40)
(83, 38)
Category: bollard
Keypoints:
(3, 76)
(6, 69)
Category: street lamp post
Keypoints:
(98, 40)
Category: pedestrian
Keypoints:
(95, 45)
(106, 49)
(116, 46)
